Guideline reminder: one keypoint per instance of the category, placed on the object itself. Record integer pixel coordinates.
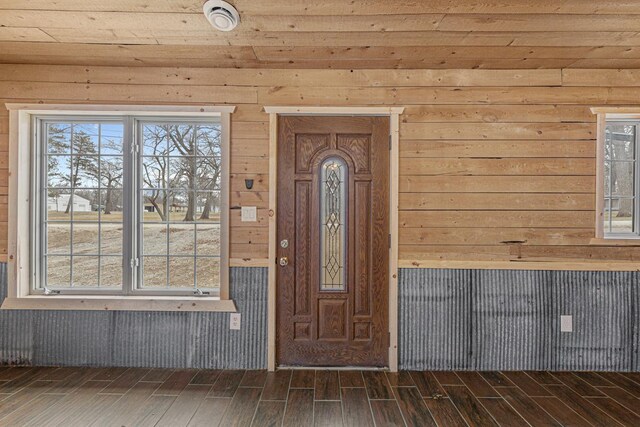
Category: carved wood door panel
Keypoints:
(333, 249)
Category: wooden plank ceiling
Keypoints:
(343, 34)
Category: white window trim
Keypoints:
(19, 292)
(604, 114)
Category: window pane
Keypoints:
(85, 170)
(59, 238)
(84, 189)
(154, 239)
(84, 204)
(110, 205)
(110, 238)
(85, 271)
(58, 205)
(208, 173)
(208, 141)
(181, 172)
(621, 220)
(85, 238)
(154, 272)
(154, 140)
(181, 272)
(181, 239)
(180, 185)
(111, 172)
(333, 206)
(58, 138)
(208, 272)
(181, 205)
(58, 271)
(155, 172)
(85, 138)
(208, 239)
(111, 272)
(58, 171)
(208, 206)
(620, 142)
(622, 179)
(154, 205)
(111, 142)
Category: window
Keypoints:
(127, 212)
(620, 176)
(118, 204)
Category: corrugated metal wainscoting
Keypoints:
(510, 319)
(145, 339)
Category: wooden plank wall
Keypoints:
(497, 167)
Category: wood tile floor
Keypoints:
(164, 397)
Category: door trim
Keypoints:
(394, 118)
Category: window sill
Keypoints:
(115, 303)
(627, 241)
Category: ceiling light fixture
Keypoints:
(221, 15)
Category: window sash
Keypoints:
(610, 196)
(132, 205)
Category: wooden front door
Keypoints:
(333, 241)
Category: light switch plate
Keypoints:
(249, 214)
(566, 323)
(234, 321)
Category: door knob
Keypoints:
(284, 261)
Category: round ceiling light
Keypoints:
(221, 15)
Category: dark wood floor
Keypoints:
(163, 397)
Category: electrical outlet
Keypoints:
(234, 321)
(249, 214)
(566, 323)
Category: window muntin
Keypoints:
(84, 247)
(621, 201)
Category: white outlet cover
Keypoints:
(249, 214)
(234, 321)
(566, 323)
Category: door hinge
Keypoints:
(388, 339)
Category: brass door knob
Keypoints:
(284, 261)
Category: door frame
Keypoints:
(394, 118)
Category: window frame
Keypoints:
(605, 116)
(23, 137)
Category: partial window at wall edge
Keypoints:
(618, 170)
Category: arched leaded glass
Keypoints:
(333, 224)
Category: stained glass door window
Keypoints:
(333, 224)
